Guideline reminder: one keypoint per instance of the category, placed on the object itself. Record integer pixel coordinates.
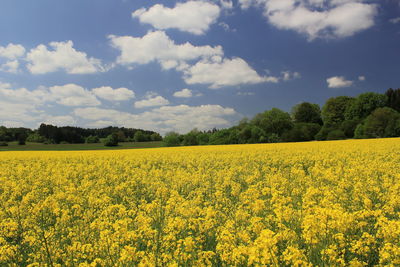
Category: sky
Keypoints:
(178, 65)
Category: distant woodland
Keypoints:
(369, 115)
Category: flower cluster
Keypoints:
(306, 204)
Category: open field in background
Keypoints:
(301, 204)
(13, 146)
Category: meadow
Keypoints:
(30, 146)
(331, 203)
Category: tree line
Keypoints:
(50, 134)
(369, 115)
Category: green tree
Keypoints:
(334, 109)
(155, 137)
(172, 139)
(336, 135)
(203, 138)
(245, 134)
(393, 99)
(111, 140)
(274, 121)
(301, 132)
(91, 139)
(139, 137)
(383, 122)
(307, 112)
(190, 139)
(35, 138)
(364, 104)
(121, 136)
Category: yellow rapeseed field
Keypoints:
(306, 204)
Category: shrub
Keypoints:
(111, 140)
(172, 139)
(35, 138)
(336, 135)
(3, 144)
(92, 139)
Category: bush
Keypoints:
(92, 139)
(111, 140)
(155, 137)
(35, 138)
(172, 139)
(3, 144)
(64, 143)
(273, 138)
(336, 135)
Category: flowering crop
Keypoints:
(319, 203)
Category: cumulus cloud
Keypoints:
(110, 94)
(288, 75)
(162, 119)
(67, 95)
(220, 72)
(361, 78)
(73, 95)
(157, 46)
(61, 56)
(10, 66)
(152, 100)
(338, 82)
(318, 18)
(184, 93)
(12, 51)
(64, 120)
(191, 16)
(199, 64)
(395, 20)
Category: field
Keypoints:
(318, 203)
(13, 146)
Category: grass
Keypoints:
(13, 146)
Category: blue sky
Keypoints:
(177, 65)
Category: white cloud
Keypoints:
(245, 93)
(62, 56)
(361, 78)
(318, 18)
(73, 95)
(65, 120)
(191, 16)
(338, 82)
(395, 20)
(288, 75)
(157, 46)
(12, 51)
(220, 72)
(184, 93)
(10, 66)
(108, 93)
(151, 101)
(226, 27)
(162, 119)
(226, 4)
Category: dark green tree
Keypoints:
(92, 139)
(139, 137)
(333, 112)
(274, 121)
(307, 112)
(383, 122)
(364, 104)
(155, 137)
(111, 140)
(172, 139)
(301, 132)
(393, 99)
